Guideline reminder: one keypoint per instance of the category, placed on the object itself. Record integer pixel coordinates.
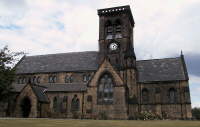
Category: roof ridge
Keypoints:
(62, 53)
(159, 59)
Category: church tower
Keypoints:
(116, 45)
(116, 37)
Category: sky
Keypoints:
(162, 29)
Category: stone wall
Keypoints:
(60, 77)
(117, 110)
(65, 110)
(27, 92)
(159, 103)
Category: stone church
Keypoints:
(110, 82)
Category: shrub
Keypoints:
(196, 113)
(145, 115)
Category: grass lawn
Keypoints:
(93, 123)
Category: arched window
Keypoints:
(85, 78)
(55, 104)
(34, 79)
(75, 105)
(68, 79)
(65, 104)
(89, 76)
(52, 79)
(38, 79)
(172, 95)
(105, 89)
(31, 79)
(145, 96)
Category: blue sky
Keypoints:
(163, 28)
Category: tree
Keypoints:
(196, 113)
(8, 60)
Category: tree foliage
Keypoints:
(7, 71)
(196, 113)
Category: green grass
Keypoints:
(93, 123)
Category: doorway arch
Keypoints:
(25, 107)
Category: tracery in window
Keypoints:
(105, 89)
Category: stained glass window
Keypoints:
(105, 89)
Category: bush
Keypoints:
(145, 115)
(196, 113)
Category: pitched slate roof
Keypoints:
(38, 89)
(65, 87)
(40, 93)
(169, 69)
(75, 61)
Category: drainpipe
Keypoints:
(82, 104)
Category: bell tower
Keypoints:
(116, 37)
(116, 45)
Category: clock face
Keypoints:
(113, 46)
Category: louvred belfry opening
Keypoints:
(116, 35)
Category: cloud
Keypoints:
(11, 11)
(52, 27)
(171, 26)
